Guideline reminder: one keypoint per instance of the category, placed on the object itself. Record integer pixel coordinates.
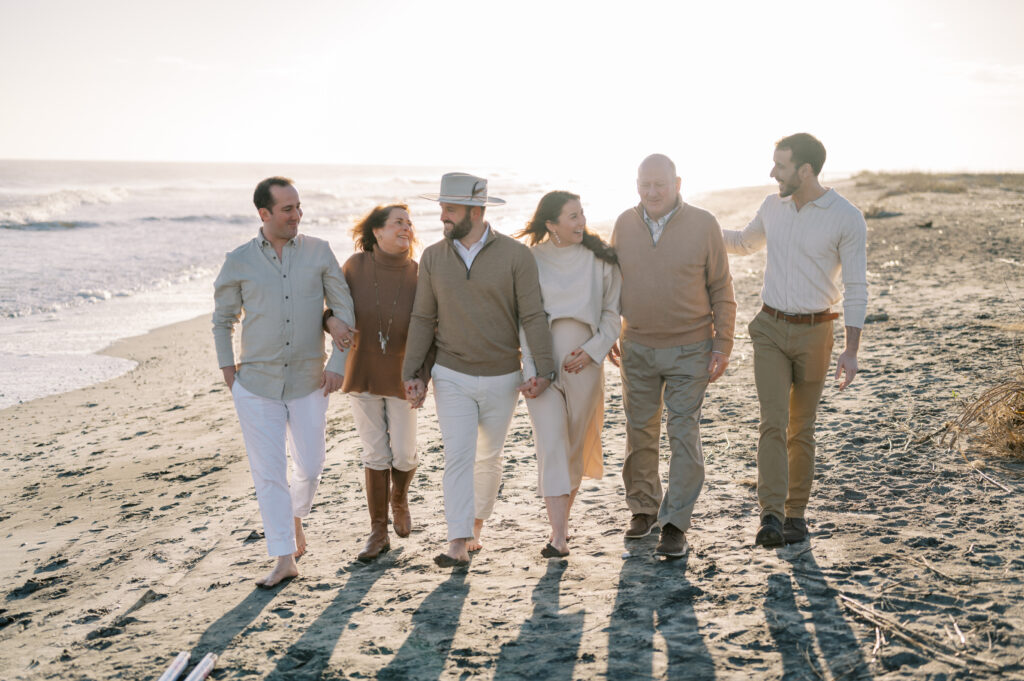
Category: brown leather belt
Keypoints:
(812, 318)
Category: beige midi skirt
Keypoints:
(567, 417)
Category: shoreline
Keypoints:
(91, 368)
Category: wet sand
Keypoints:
(129, 530)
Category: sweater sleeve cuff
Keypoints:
(225, 352)
(597, 349)
(722, 345)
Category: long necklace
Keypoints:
(384, 335)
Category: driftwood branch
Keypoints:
(927, 643)
(931, 568)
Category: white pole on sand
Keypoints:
(176, 668)
(203, 669)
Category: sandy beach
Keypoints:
(129, 529)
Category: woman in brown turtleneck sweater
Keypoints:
(382, 278)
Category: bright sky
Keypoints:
(914, 84)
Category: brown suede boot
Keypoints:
(377, 492)
(400, 501)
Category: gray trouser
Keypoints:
(678, 378)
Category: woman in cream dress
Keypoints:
(580, 283)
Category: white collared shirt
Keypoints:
(808, 252)
(468, 255)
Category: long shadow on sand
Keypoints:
(219, 634)
(654, 598)
(548, 642)
(838, 648)
(426, 648)
(308, 657)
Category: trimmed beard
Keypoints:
(459, 229)
(788, 187)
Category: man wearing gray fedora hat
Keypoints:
(476, 287)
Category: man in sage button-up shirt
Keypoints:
(277, 283)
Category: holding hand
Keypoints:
(577, 361)
(614, 354)
(533, 387)
(415, 392)
(341, 333)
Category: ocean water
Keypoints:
(97, 251)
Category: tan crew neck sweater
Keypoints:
(678, 291)
(474, 313)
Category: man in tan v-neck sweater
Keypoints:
(679, 312)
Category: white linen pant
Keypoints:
(387, 428)
(474, 413)
(266, 426)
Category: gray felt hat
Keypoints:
(465, 190)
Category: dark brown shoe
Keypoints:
(641, 525)
(769, 535)
(377, 493)
(794, 530)
(401, 520)
(673, 542)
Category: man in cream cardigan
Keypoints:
(678, 311)
(815, 237)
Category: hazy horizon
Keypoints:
(570, 88)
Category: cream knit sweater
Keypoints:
(575, 284)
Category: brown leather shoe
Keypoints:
(641, 525)
(769, 535)
(794, 530)
(377, 484)
(401, 520)
(673, 542)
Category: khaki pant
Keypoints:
(677, 377)
(790, 367)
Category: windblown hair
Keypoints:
(548, 210)
(805, 148)
(362, 232)
(262, 196)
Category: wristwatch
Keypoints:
(551, 376)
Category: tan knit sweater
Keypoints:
(474, 314)
(678, 291)
(368, 369)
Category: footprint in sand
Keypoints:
(31, 586)
(56, 563)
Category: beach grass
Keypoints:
(994, 421)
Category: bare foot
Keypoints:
(285, 569)
(457, 550)
(300, 539)
(474, 543)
